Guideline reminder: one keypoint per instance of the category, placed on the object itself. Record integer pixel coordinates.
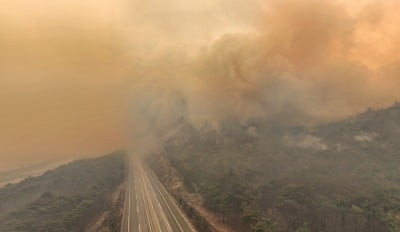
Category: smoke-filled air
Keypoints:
(200, 115)
(82, 77)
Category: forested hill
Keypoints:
(64, 199)
(340, 176)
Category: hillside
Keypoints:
(63, 199)
(16, 175)
(340, 176)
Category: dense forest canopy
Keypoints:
(340, 176)
(63, 199)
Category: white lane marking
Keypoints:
(169, 209)
(173, 201)
(139, 227)
(160, 207)
(164, 216)
(176, 205)
(145, 183)
(158, 200)
(129, 207)
(144, 201)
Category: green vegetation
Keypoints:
(341, 176)
(61, 200)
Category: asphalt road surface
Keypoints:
(148, 206)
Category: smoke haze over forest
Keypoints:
(80, 78)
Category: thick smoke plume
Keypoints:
(75, 74)
(299, 61)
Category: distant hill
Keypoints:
(339, 176)
(63, 199)
(16, 175)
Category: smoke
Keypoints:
(297, 62)
(76, 74)
(62, 71)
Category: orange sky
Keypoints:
(68, 67)
(65, 65)
(62, 90)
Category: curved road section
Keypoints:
(148, 206)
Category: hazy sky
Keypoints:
(71, 71)
(66, 67)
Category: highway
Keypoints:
(148, 206)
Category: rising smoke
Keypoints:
(299, 62)
(92, 67)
